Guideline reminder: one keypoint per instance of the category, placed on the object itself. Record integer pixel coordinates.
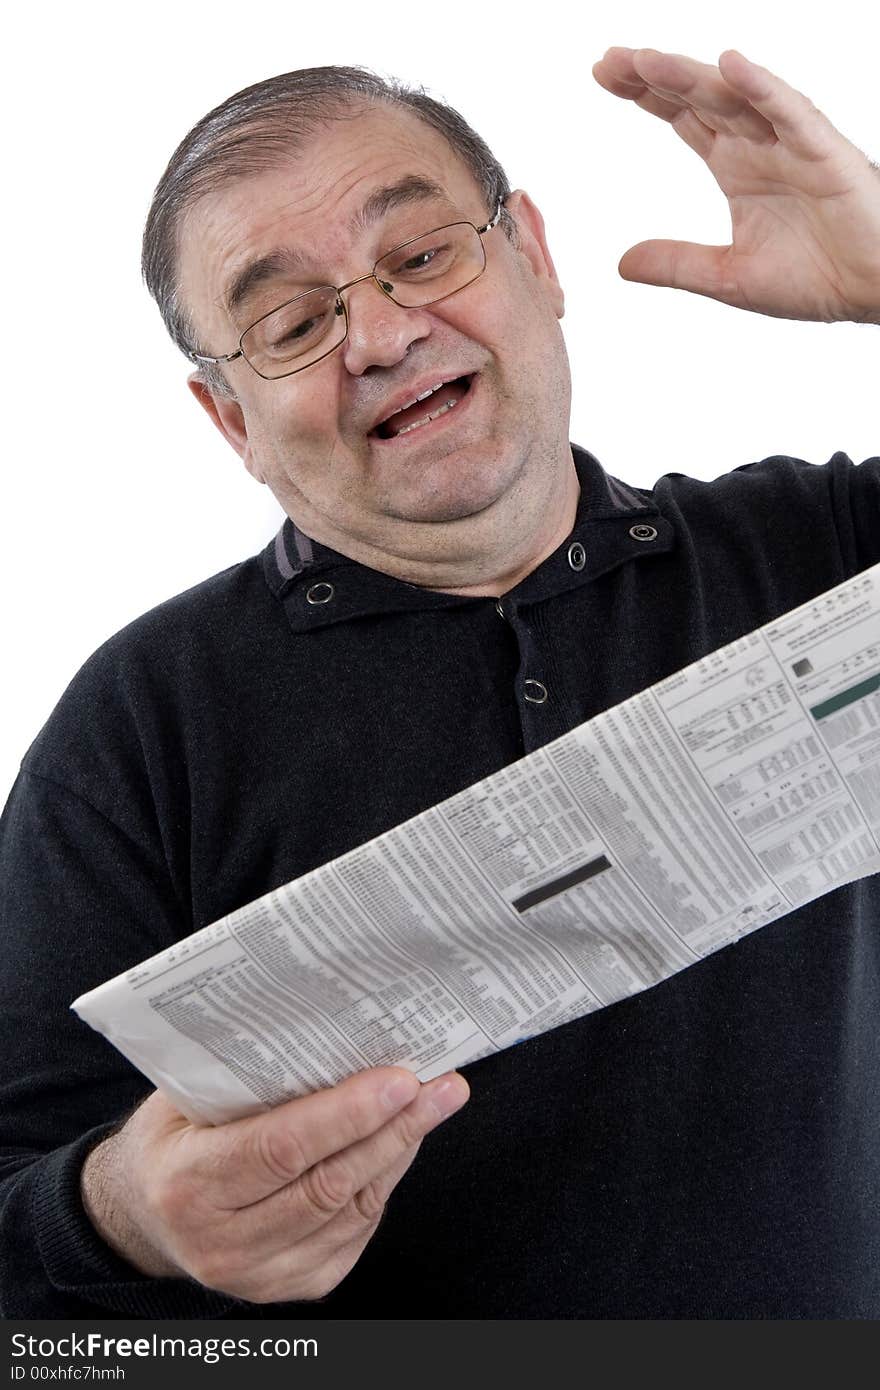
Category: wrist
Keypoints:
(107, 1204)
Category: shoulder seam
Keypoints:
(78, 796)
(108, 820)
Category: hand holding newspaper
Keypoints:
(705, 807)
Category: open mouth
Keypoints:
(440, 400)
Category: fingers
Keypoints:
(693, 131)
(272, 1207)
(302, 1238)
(683, 92)
(354, 1183)
(252, 1158)
(793, 117)
(311, 1267)
(617, 75)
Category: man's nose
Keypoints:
(380, 332)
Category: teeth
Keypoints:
(425, 394)
(416, 399)
(423, 397)
(417, 424)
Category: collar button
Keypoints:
(643, 533)
(577, 556)
(319, 593)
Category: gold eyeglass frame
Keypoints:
(340, 306)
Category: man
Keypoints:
(455, 585)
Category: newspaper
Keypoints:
(664, 829)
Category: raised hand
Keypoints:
(804, 201)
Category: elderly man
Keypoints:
(375, 320)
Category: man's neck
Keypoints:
(499, 556)
(508, 577)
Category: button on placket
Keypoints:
(528, 690)
(319, 593)
(535, 692)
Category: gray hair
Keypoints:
(253, 132)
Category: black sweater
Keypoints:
(708, 1148)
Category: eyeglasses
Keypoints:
(307, 329)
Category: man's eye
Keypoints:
(300, 330)
(424, 258)
(433, 260)
(292, 334)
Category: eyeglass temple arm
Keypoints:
(494, 221)
(202, 357)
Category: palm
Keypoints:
(804, 202)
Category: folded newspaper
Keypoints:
(669, 826)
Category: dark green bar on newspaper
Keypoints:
(846, 697)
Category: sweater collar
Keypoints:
(615, 524)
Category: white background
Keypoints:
(117, 492)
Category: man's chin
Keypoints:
(452, 490)
(443, 510)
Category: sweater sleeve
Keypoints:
(80, 901)
(856, 502)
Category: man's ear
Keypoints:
(533, 245)
(227, 415)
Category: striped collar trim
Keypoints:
(293, 556)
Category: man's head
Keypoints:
(307, 180)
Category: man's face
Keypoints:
(483, 471)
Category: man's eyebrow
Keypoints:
(412, 188)
(256, 273)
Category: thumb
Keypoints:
(682, 265)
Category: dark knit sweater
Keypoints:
(708, 1148)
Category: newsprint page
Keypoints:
(695, 812)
